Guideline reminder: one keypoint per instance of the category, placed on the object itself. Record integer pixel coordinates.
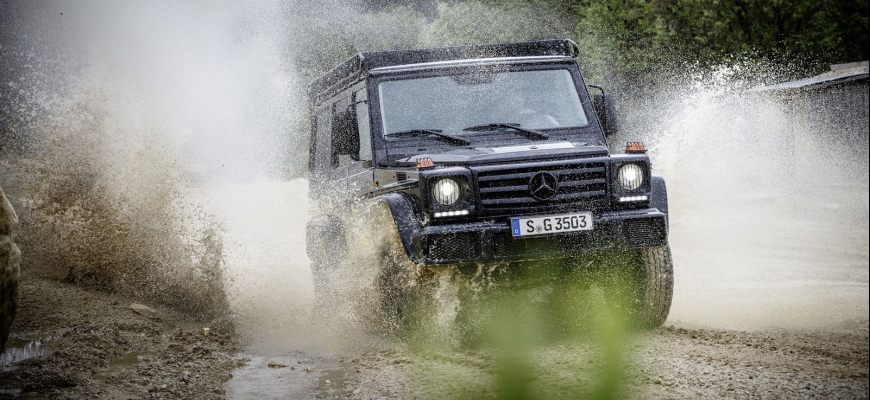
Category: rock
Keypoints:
(143, 310)
(205, 331)
(9, 271)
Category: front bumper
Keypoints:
(475, 242)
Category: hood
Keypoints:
(525, 152)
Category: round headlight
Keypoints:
(630, 176)
(446, 191)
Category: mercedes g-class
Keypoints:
(480, 155)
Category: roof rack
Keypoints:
(363, 62)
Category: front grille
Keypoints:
(645, 231)
(454, 246)
(505, 191)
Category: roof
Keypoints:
(362, 63)
(839, 74)
(467, 63)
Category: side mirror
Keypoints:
(345, 133)
(605, 111)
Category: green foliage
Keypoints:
(542, 330)
(639, 41)
(643, 38)
(479, 23)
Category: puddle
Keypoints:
(125, 363)
(18, 349)
(297, 376)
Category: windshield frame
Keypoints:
(591, 133)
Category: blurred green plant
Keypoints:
(546, 330)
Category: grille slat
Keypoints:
(498, 189)
(525, 187)
(486, 176)
(506, 190)
(556, 199)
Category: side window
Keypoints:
(340, 105)
(362, 118)
(323, 137)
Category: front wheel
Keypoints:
(655, 290)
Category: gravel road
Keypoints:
(669, 363)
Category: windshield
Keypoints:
(542, 99)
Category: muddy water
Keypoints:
(18, 349)
(295, 376)
(293, 350)
(125, 363)
(269, 279)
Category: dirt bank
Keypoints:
(93, 345)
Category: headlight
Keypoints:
(446, 191)
(630, 176)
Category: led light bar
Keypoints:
(633, 198)
(451, 213)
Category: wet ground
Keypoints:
(667, 363)
(70, 342)
(771, 301)
(764, 307)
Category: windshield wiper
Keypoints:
(431, 132)
(528, 133)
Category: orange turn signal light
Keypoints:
(425, 163)
(635, 147)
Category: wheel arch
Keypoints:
(659, 194)
(404, 217)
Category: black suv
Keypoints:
(484, 155)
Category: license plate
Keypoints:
(551, 224)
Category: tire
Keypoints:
(656, 290)
(638, 286)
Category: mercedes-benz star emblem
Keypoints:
(543, 186)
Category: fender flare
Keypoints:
(405, 219)
(659, 194)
